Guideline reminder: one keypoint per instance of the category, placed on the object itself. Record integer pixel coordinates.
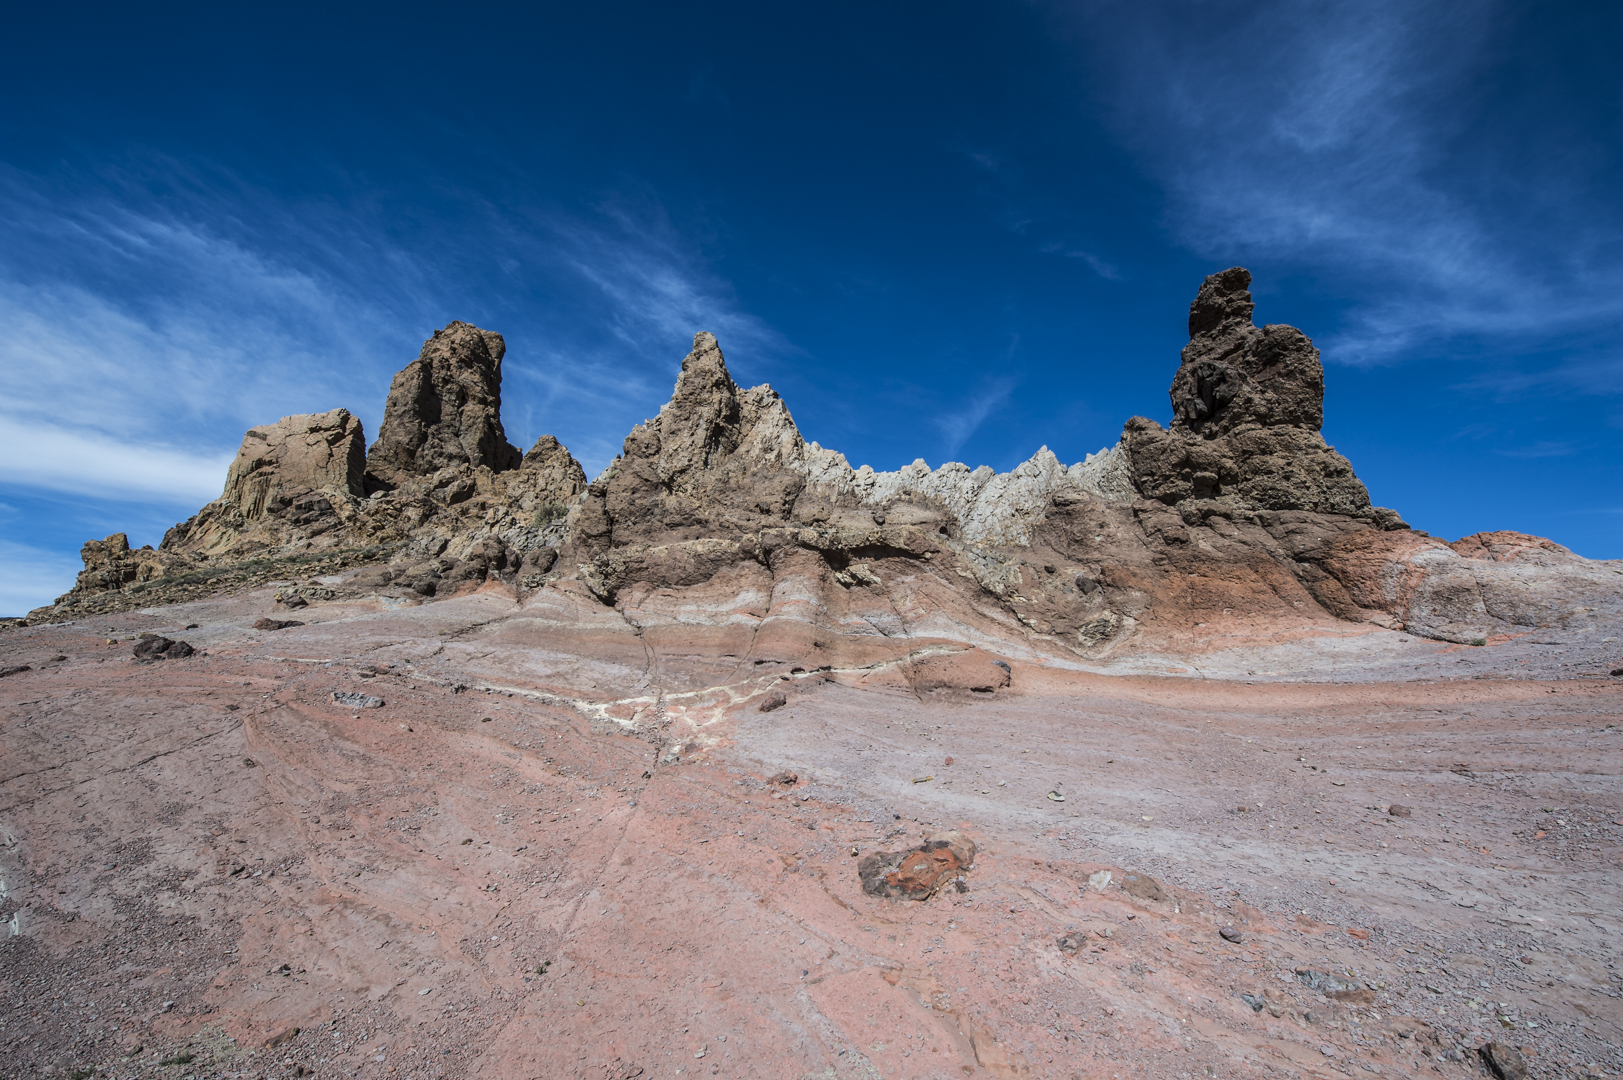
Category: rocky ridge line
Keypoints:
(1238, 511)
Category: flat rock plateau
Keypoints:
(1181, 761)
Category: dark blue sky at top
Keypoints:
(951, 231)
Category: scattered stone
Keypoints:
(1254, 1001)
(1056, 796)
(1358, 932)
(1617, 672)
(294, 601)
(1105, 932)
(1070, 944)
(356, 701)
(249, 763)
(786, 778)
(1333, 987)
(774, 700)
(1399, 810)
(1505, 1061)
(1144, 887)
(917, 874)
(275, 624)
(1099, 881)
(153, 647)
(1228, 933)
(15, 669)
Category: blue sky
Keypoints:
(952, 231)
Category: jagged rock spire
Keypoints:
(1247, 403)
(1235, 374)
(444, 408)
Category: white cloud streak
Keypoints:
(136, 344)
(89, 463)
(31, 577)
(1327, 135)
(957, 426)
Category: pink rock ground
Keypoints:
(564, 786)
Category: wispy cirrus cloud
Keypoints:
(1360, 143)
(958, 424)
(157, 319)
(32, 577)
(151, 314)
(142, 342)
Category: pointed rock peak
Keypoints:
(546, 451)
(444, 409)
(1223, 298)
(706, 352)
(466, 343)
(551, 471)
(702, 417)
(704, 384)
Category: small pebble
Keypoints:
(1228, 933)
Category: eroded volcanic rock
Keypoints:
(1236, 516)
(286, 474)
(444, 409)
(918, 873)
(576, 841)
(296, 454)
(1247, 405)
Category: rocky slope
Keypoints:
(649, 776)
(1235, 518)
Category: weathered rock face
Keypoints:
(444, 409)
(1247, 404)
(296, 455)
(550, 473)
(715, 459)
(296, 494)
(111, 565)
(1235, 518)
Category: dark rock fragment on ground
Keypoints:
(153, 647)
(352, 700)
(1333, 987)
(1144, 887)
(1504, 1061)
(275, 624)
(918, 873)
(775, 700)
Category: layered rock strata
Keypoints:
(1236, 517)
